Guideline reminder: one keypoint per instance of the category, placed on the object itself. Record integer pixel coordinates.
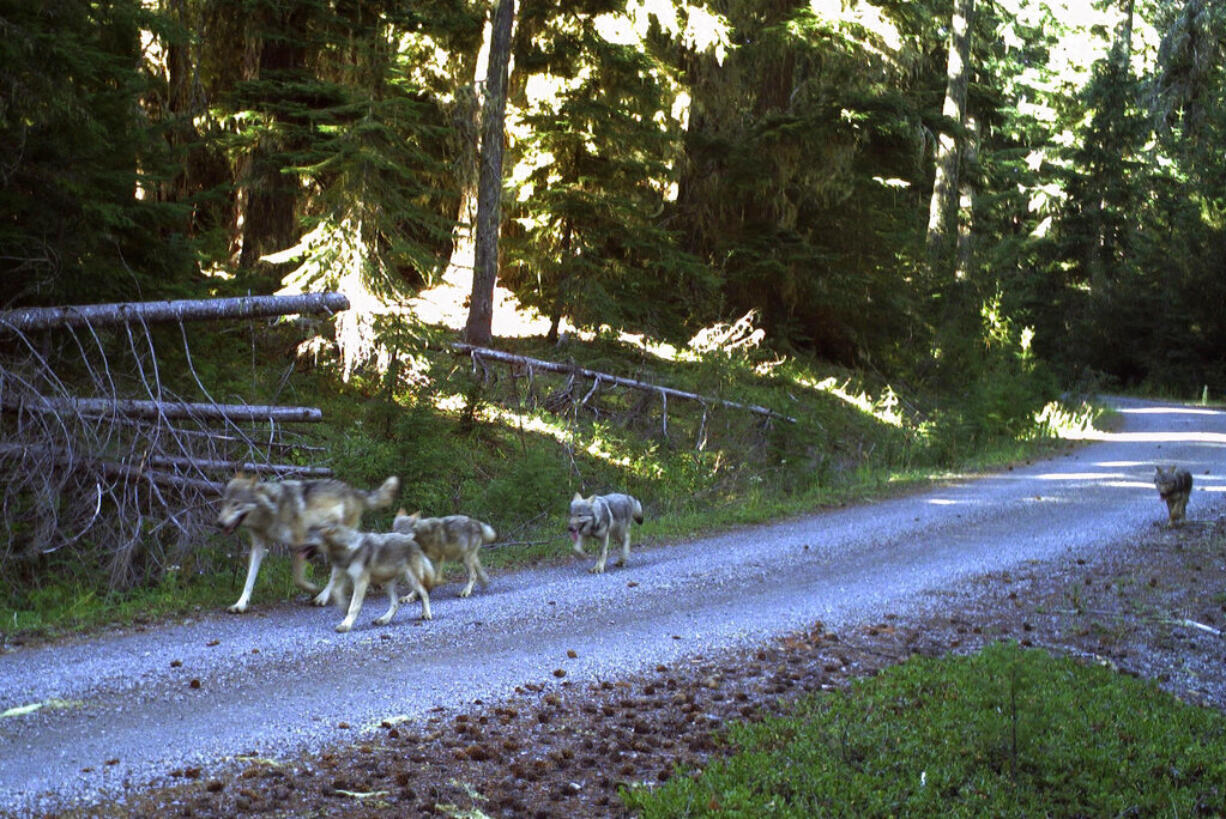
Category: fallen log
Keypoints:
(170, 410)
(664, 392)
(210, 465)
(242, 307)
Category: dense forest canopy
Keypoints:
(906, 185)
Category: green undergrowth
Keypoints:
(511, 446)
(1005, 732)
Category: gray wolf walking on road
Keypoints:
(283, 512)
(599, 518)
(1174, 486)
(454, 537)
(363, 558)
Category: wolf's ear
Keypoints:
(416, 516)
(402, 512)
(577, 497)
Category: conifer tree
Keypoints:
(77, 216)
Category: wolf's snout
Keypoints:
(228, 526)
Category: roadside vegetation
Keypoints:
(1005, 732)
(512, 447)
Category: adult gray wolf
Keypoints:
(599, 518)
(1174, 486)
(283, 511)
(454, 537)
(362, 558)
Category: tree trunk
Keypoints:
(479, 329)
(467, 122)
(943, 205)
(965, 257)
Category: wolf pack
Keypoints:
(323, 517)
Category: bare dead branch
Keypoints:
(524, 361)
(206, 465)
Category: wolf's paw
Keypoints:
(322, 599)
(465, 592)
(237, 608)
(596, 570)
(408, 598)
(425, 615)
(343, 627)
(382, 621)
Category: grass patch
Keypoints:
(1004, 732)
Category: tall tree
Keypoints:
(479, 328)
(942, 208)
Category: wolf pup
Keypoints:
(599, 518)
(1174, 486)
(283, 511)
(455, 537)
(363, 558)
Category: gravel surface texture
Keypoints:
(553, 688)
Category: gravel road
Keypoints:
(123, 710)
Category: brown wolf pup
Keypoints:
(363, 558)
(599, 518)
(1174, 486)
(283, 511)
(455, 537)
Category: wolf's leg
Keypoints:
(325, 596)
(604, 555)
(300, 572)
(393, 604)
(482, 577)
(418, 591)
(474, 567)
(355, 604)
(254, 558)
(1181, 509)
(412, 595)
(625, 547)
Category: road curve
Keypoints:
(124, 710)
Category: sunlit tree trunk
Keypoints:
(943, 205)
(467, 122)
(963, 265)
(479, 329)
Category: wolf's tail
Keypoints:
(384, 495)
(487, 532)
(429, 577)
(638, 510)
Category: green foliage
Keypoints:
(1005, 732)
(76, 148)
(586, 238)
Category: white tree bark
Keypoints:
(81, 315)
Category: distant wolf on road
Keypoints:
(599, 518)
(1174, 486)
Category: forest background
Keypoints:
(959, 209)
